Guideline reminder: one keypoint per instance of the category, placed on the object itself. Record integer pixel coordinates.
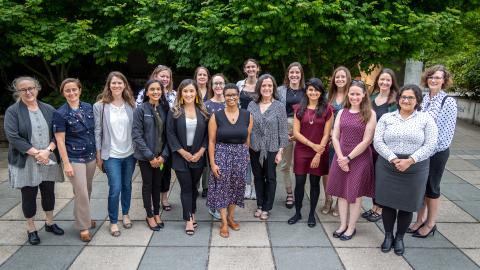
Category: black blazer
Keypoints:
(177, 139)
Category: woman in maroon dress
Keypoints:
(312, 123)
(351, 173)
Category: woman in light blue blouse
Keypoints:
(404, 140)
(443, 109)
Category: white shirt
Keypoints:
(191, 127)
(121, 135)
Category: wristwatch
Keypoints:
(50, 149)
(348, 157)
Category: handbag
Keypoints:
(101, 135)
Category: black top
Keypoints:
(232, 133)
(380, 110)
(246, 97)
(293, 97)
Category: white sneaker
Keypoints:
(248, 191)
(253, 194)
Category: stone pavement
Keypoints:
(258, 245)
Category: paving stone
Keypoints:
(136, 212)
(251, 234)
(438, 259)
(7, 192)
(174, 258)
(460, 165)
(367, 235)
(176, 214)
(246, 213)
(306, 258)
(370, 258)
(98, 210)
(460, 192)
(174, 235)
(473, 254)
(462, 235)
(471, 207)
(475, 162)
(283, 234)
(6, 252)
(137, 190)
(115, 258)
(450, 212)
(63, 190)
(17, 213)
(473, 177)
(51, 257)
(241, 258)
(8, 204)
(138, 235)
(451, 178)
(14, 233)
(70, 238)
(99, 190)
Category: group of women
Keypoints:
(225, 133)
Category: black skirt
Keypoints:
(400, 190)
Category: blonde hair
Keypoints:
(159, 69)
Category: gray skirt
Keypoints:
(400, 190)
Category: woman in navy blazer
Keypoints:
(187, 124)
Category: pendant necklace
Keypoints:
(312, 119)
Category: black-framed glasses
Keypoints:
(29, 89)
(408, 98)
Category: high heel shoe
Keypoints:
(432, 231)
(295, 218)
(409, 230)
(387, 242)
(153, 228)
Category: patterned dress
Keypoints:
(359, 180)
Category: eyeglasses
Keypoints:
(408, 98)
(434, 78)
(29, 89)
(231, 96)
(359, 82)
(218, 84)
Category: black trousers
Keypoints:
(403, 218)
(29, 198)
(167, 176)
(188, 181)
(265, 178)
(151, 187)
(300, 188)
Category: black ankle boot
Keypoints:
(387, 242)
(398, 246)
(295, 218)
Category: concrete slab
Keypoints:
(450, 212)
(367, 235)
(473, 177)
(473, 254)
(13, 233)
(173, 258)
(137, 211)
(462, 235)
(174, 235)
(115, 258)
(460, 165)
(17, 214)
(306, 258)
(70, 238)
(98, 210)
(251, 234)
(6, 252)
(138, 235)
(8, 204)
(7, 192)
(370, 258)
(460, 192)
(451, 178)
(63, 190)
(244, 258)
(439, 259)
(28, 257)
(471, 207)
(298, 235)
(99, 190)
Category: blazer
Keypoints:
(177, 139)
(18, 130)
(100, 108)
(144, 133)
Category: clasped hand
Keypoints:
(402, 164)
(343, 163)
(42, 156)
(156, 162)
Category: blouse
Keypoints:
(121, 136)
(415, 136)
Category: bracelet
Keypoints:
(50, 149)
(348, 157)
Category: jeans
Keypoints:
(119, 174)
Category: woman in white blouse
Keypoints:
(113, 138)
(404, 140)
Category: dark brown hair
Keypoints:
(447, 77)
(258, 87)
(177, 108)
(365, 105)
(286, 80)
(127, 93)
(70, 80)
(393, 88)
(332, 88)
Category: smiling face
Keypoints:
(28, 91)
(218, 83)
(188, 94)
(294, 75)
(154, 92)
(202, 77)
(71, 92)
(355, 95)
(313, 94)
(340, 79)
(117, 85)
(231, 97)
(266, 89)
(385, 82)
(436, 80)
(251, 69)
(164, 77)
(407, 101)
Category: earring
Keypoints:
(196, 99)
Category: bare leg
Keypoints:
(343, 211)
(223, 227)
(432, 206)
(421, 216)
(355, 209)
(30, 225)
(49, 217)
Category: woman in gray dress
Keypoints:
(405, 140)
(32, 155)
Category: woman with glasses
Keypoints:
(74, 129)
(229, 138)
(113, 136)
(251, 68)
(383, 100)
(33, 160)
(404, 140)
(443, 109)
(290, 94)
(351, 173)
(337, 93)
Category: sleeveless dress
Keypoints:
(359, 180)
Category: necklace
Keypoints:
(311, 119)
